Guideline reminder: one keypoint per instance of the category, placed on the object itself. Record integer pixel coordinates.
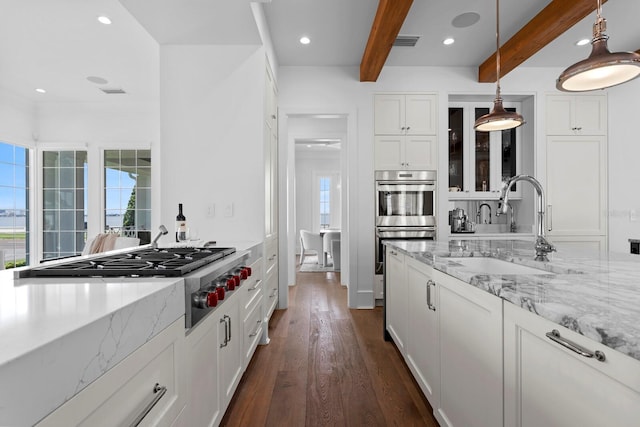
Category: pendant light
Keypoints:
(498, 118)
(602, 69)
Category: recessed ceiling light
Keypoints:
(305, 40)
(104, 20)
(40, 90)
(583, 42)
(448, 41)
(97, 80)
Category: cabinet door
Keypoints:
(470, 355)
(576, 185)
(230, 348)
(423, 348)
(204, 394)
(389, 152)
(396, 298)
(420, 153)
(389, 114)
(549, 385)
(576, 114)
(420, 114)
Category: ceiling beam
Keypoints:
(386, 26)
(553, 20)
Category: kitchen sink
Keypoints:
(487, 265)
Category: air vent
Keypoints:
(406, 41)
(113, 91)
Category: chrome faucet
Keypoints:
(542, 246)
(480, 212)
(163, 231)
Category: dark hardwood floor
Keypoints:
(327, 365)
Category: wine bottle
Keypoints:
(181, 225)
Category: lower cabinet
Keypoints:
(547, 384)
(423, 354)
(270, 278)
(470, 355)
(396, 298)
(146, 387)
(230, 336)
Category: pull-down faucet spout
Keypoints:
(542, 246)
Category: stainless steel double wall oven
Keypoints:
(405, 208)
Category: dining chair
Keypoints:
(327, 249)
(310, 242)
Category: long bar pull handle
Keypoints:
(554, 335)
(158, 391)
(226, 331)
(229, 318)
(549, 218)
(255, 286)
(429, 304)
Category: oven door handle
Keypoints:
(405, 187)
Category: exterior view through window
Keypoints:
(64, 201)
(325, 205)
(127, 193)
(14, 205)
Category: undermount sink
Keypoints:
(487, 265)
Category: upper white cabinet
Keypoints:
(576, 114)
(271, 155)
(405, 132)
(405, 114)
(480, 161)
(548, 384)
(418, 152)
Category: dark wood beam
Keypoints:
(386, 26)
(553, 20)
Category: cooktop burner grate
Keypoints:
(165, 262)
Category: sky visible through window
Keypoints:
(14, 209)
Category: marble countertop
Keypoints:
(596, 295)
(59, 335)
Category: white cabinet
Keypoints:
(470, 355)
(396, 152)
(270, 277)
(547, 384)
(396, 297)
(252, 306)
(423, 345)
(480, 161)
(405, 114)
(204, 406)
(577, 188)
(576, 114)
(147, 384)
(230, 343)
(271, 154)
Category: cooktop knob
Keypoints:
(205, 299)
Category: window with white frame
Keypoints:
(127, 193)
(64, 202)
(325, 202)
(14, 205)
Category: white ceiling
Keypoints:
(57, 44)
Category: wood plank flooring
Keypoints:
(327, 365)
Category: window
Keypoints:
(64, 196)
(325, 202)
(14, 204)
(127, 193)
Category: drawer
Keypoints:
(271, 255)
(252, 330)
(271, 295)
(252, 289)
(130, 387)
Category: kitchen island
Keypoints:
(59, 335)
(495, 338)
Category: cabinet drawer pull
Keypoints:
(393, 252)
(429, 304)
(257, 329)
(254, 286)
(158, 391)
(554, 335)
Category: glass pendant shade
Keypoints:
(602, 69)
(498, 119)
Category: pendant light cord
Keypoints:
(498, 49)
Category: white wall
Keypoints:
(304, 88)
(212, 115)
(18, 119)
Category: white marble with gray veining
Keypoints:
(596, 295)
(59, 335)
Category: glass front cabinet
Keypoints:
(480, 161)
